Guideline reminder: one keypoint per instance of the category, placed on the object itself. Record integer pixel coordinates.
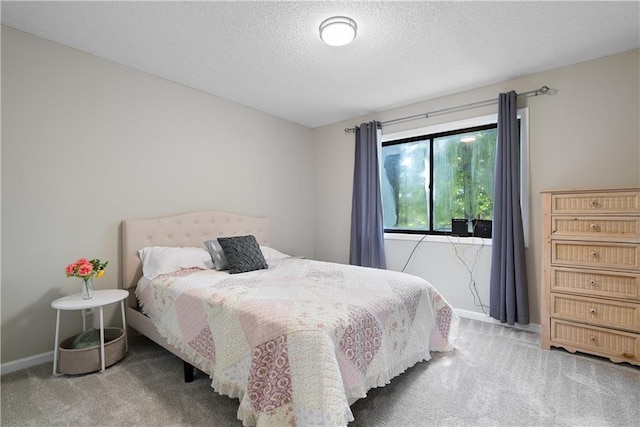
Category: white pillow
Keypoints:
(270, 253)
(217, 255)
(162, 260)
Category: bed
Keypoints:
(298, 342)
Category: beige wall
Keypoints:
(585, 135)
(87, 143)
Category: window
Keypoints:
(433, 175)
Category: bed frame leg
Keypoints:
(188, 372)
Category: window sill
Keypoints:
(438, 239)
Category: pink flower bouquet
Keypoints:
(85, 269)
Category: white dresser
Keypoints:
(591, 272)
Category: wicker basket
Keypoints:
(85, 360)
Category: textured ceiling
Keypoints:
(268, 55)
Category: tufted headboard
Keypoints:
(185, 230)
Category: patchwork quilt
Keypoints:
(299, 342)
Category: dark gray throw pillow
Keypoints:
(243, 254)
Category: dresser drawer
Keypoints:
(596, 202)
(609, 255)
(599, 312)
(596, 283)
(600, 341)
(619, 228)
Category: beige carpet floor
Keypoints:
(497, 376)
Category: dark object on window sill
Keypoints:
(459, 227)
(482, 228)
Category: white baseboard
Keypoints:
(531, 327)
(27, 362)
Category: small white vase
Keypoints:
(86, 289)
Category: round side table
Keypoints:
(99, 300)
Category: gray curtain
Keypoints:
(509, 301)
(367, 229)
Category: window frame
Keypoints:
(454, 127)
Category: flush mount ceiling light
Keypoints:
(338, 30)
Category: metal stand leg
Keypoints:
(102, 339)
(124, 326)
(188, 372)
(55, 344)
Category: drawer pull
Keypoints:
(594, 254)
(593, 339)
(592, 282)
(594, 203)
(592, 310)
(594, 227)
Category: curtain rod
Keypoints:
(542, 91)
